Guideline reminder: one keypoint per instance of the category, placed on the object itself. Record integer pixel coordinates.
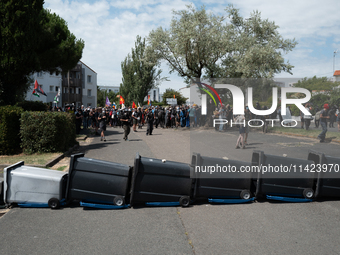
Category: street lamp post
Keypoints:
(334, 53)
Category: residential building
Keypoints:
(77, 86)
(336, 75)
(89, 85)
(49, 83)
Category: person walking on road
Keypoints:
(149, 119)
(102, 124)
(323, 121)
(242, 129)
(125, 120)
(134, 120)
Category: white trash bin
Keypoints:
(33, 186)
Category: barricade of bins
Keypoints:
(155, 182)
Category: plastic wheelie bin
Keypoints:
(1, 192)
(33, 186)
(283, 178)
(160, 182)
(98, 183)
(328, 172)
(222, 181)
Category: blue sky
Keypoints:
(109, 29)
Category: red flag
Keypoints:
(148, 99)
(38, 89)
(121, 100)
(133, 105)
(174, 96)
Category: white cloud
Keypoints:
(109, 29)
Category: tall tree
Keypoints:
(140, 73)
(199, 44)
(32, 40)
(315, 83)
(170, 93)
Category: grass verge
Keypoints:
(30, 159)
(312, 133)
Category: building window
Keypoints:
(78, 91)
(71, 91)
(56, 88)
(89, 79)
(51, 88)
(88, 92)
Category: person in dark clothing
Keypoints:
(149, 120)
(102, 124)
(323, 121)
(79, 117)
(139, 117)
(155, 113)
(332, 116)
(125, 118)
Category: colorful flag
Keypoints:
(108, 103)
(35, 93)
(38, 89)
(149, 101)
(133, 105)
(174, 96)
(121, 100)
(56, 98)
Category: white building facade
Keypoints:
(78, 86)
(50, 84)
(89, 81)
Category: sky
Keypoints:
(109, 29)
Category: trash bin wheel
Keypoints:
(54, 203)
(119, 201)
(308, 193)
(184, 201)
(245, 194)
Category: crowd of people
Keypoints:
(190, 116)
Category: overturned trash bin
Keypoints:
(33, 186)
(222, 181)
(284, 179)
(1, 192)
(160, 183)
(328, 174)
(98, 183)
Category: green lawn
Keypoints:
(33, 159)
(312, 133)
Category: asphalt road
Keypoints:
(256, 228)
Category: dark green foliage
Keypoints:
(140, 74)
(31, 40)
(47, 131)
(9, 129)
(169, 93)
(33, 106)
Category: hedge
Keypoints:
(33, 106)
(9, 130)
(47, 131)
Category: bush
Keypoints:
(9, 129)
(47, 131)
(33, 106)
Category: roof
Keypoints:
(336, 73)
(86, 66)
